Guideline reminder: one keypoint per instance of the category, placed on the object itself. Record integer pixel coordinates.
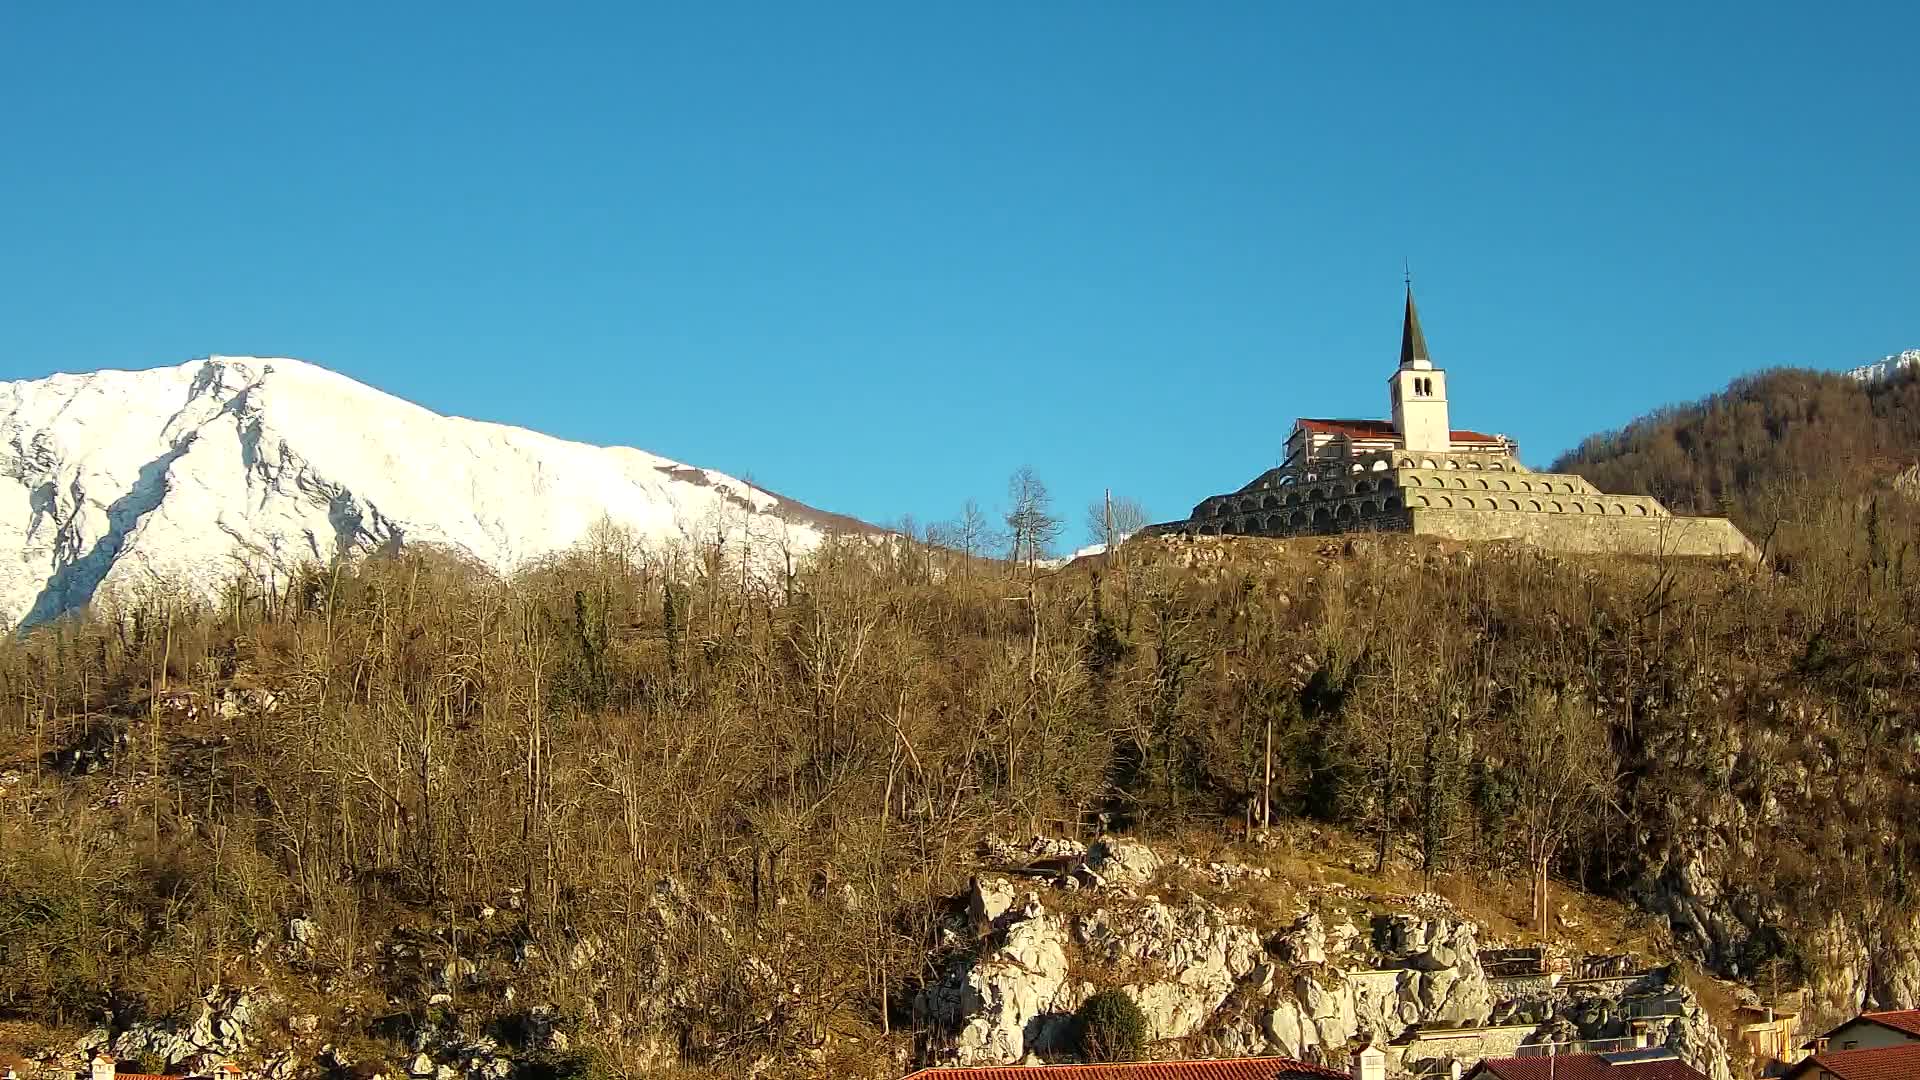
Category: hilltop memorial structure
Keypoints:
(1416, 473)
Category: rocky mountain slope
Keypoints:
(187, 475)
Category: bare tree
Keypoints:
(1112, 519)
(1031, 526)
(1563, 766)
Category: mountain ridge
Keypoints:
(194, 471)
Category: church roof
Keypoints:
(1379, 429)
(1413, 343)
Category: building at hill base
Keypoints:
(1416, 473)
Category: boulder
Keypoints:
(988, 900)
(1305, 942)
(1122, 863)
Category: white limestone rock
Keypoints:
(994, 1008)
(1196, 955)
(1123, 863)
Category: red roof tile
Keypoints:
(1907, 1020)
(1379, 429)
(1900, 1062)
(1267, 1068)
(1586, 1067)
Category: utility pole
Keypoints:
(1266, 791)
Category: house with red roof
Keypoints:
(1872, 1046)
(1872, 1030)
(1899, 1062)
(1653, 1063)
(1263, 1068)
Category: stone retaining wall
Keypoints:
(1590, 534)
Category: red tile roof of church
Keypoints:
(1266, 1068)
(1379, 429)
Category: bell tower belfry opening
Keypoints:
(1419, 390)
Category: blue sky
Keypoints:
(878, 256)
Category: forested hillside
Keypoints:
(1760, 447)
(715, 819)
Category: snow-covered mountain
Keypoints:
(1887, 367)
(190, 473)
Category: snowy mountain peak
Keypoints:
(1888, 367)
(230, 464)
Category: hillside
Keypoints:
(1766, 444)
(630, 810)
(185, 477)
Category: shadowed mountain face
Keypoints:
(230, 465)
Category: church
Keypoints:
(1417, 473)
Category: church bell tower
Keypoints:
(1419, 391)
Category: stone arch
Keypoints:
(1443, 502)
(1269, 502)
(1578, 508)
(1459, 482)
(1449, 463)
(1555, 508)
(1368, 508)
(1413, 480)
(1471, 464)
(1640, 509)
(1503, 485)
(1496, 466)
(1427, 463)
(1567, 488)
(1405, 463)
(1293, 498)
(1467, 503)
(1297, 519)
(1417, 500)
(1379, 464)
(1344, 512)
(1533, 505)
(1287, 480)
(1322, 516)
(1510, 504)
(1482, 483)
(1617, 510)
(1391, 502)
(1316, 494)
(1274, 523)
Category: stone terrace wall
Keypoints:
(1590, 533)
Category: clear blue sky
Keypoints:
(878, 256)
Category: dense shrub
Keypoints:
(1111, 1027)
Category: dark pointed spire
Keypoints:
(1413, 343)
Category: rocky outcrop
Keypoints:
(1008, 1001)
(1221, 983)
(1178, 962)
(225, 1024)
